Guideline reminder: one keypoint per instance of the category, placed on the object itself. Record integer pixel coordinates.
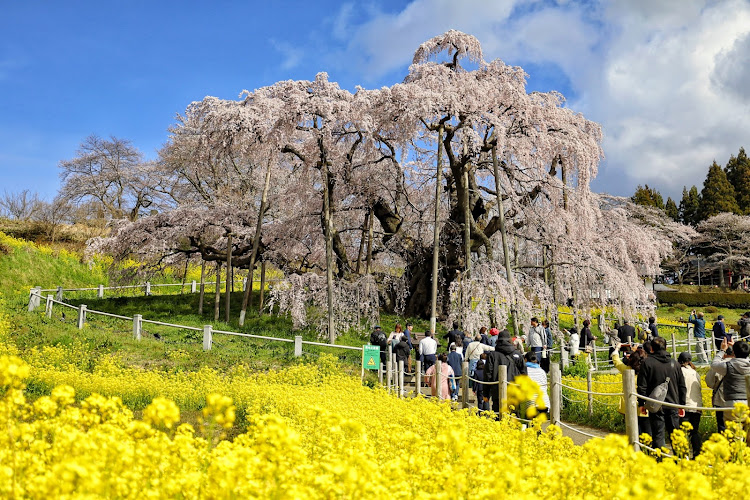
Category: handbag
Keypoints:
(659, 393)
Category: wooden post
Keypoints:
(589, 385)
(148, 288)
(419, 377)
(203, 287)
(555, 396)
(59, 294)
(263, 286)
(502, 390)
(48, 306)
(34, 298)
(400, 378)
(436, 232)
(228, 284)
(690, 338)
(438, 378)
(389, 368)
(564, 356)
(207, 337)
(81, 316)
(298, 346)
(674, 347)
(137, 326)
(217, 292)
(100, 292)
(193, 287)
(380, 371)
(465, 386)
(250, 281)
(631, 408)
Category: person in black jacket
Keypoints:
(587, 338)
(402, 351)
(504, 354)
(626, 333)
(454, 336)
(655, 370)
(377, 337)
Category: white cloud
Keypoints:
(665, 78)
(291, 55)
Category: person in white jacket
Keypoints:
(537, 338)
(693, 397)
(536, 374)
(574, 342)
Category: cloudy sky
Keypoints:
(669, 80)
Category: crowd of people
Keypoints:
(658, 375)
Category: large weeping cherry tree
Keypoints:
(456, 188)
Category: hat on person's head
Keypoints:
(720, 316)
(684, 357)
(376, 327)
(505, 334)
(494, 331)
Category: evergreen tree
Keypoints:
(671, 209)
(690, 206)
(738, 174)
(717, 195)
(648, 197)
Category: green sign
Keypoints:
(370, 357)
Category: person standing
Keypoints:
(402, 352)
(574, 341)
(652, 327)
(633, 361)
(479, 388)
(715, 382)
(699, 332)
(537, 338)
(656, 369)
(626, 333)
(744, 325)
(428, 350)
(454, 336)
(455, 359)
(377, 337)
(493, 336)
(475, 350)
(549, 344)
(504, 354)
(693, 398)
(446, 375)
(720, 332)
(587, 341)
(536, 374)
(734, 371)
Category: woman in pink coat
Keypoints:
(446, 372)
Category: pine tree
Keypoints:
(671, 209)
(648, 197)
(738, 174)
(689, 206)
(717, 195)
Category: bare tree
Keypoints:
(19, 205)
(111, 172)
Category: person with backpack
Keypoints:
(504, 354)
(734, 372)
(378, 338)
(744, 326)
(661, 378)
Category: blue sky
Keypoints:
(665, 79)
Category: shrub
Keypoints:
(733, 300)
(711, 309)
(681, 307)
(671, 310)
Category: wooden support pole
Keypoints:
(48, 307)
(401, 378)
(263, 286)
(228, 292)
(217, 291)
(297, 346)
(590, 397)
(203, 287)
(100, 292)
(418, 378)
(631, 408)
(555, 396)
(674, 347)
(465, 384)
(502, 377)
